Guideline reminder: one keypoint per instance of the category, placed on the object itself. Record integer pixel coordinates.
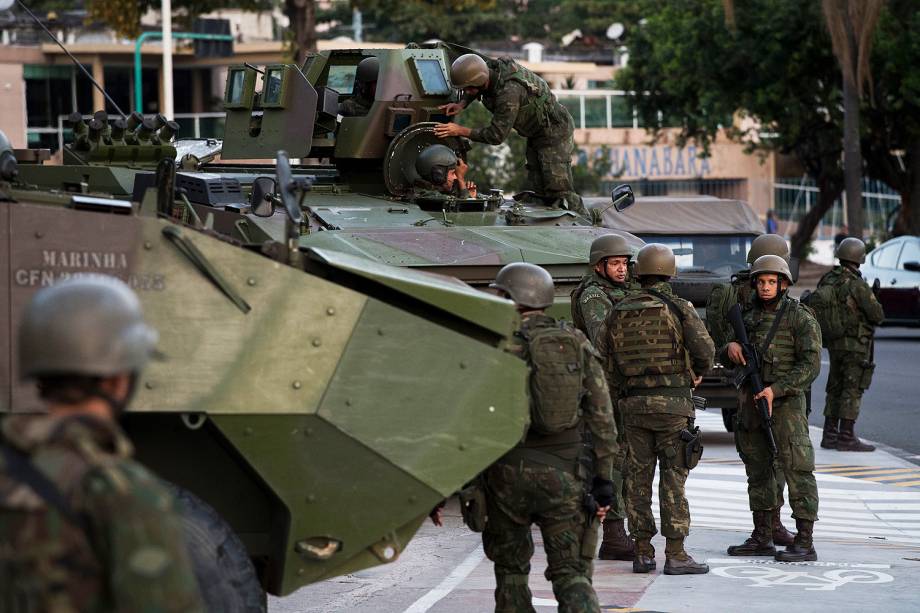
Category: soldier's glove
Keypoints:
(603, 491)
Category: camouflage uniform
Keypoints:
(128, 556)
(424, 190)
(851, 373)
(655, 409)
(790, 364)
(519, 99)
(356, 106)
(542, 481)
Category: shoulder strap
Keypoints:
(21, 469)
(774, 327)
(670, 303)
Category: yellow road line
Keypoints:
(878, 471)
(900, 477)
(858, 468)
(908, 484)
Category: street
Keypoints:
(868, 536)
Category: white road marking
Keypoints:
(772, 562)
(769, 576)
(449, 583)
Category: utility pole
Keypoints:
(166, 17)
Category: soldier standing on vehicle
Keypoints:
(656, 343)
(365, 89)
(519, 99)
(592, 301)
(788, 339)
(741, 291)
(442, 174)
(83, 527)
(858, 311)
(546, 479)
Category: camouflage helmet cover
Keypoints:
(656, 259)
(771, 264)
(433, 163)
(608, 245)
(768, 244)
(89, 325)
(367, 70)
(469, 70)
(527, 284)
(851, 249)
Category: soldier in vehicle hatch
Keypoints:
(603, 287)
(740, 291)
(364, 91)
(519, 99)
(789, 341)
(855, 306)
(443, 175)
(545, 479)
(655, 345)
(83, 527)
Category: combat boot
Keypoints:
(829, 437)
(760, 543)
(847, 439)
(644, 561)
(802, 549)
(679, 562)
(781, 536)
(616, 544)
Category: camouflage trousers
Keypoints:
(650, 438)
(617, 511)
(549, 164)
(524, 493)
(848, 378)
(795, 463)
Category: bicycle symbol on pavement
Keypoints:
(770, 576)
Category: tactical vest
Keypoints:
(614, 295)
(539, 111)
(779, 357)
(648, 341)
(835, 306)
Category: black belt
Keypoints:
(672, 392)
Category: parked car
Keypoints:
(896, 264)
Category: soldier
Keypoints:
(656, 343)
(365, 89)
(83, 526)
(741, 291)
(851, 360)
(544, 479)
(592, 301)
(789, 341)
(443, 175)
(521, 100)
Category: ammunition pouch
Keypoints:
(473, 504)
(691, 443)
(865, 380)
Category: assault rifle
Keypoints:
(751, 373)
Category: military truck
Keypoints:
(311, 408)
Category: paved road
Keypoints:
(868, 536)
(889, 412)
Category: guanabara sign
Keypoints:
(657, 162)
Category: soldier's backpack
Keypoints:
(556, 361)
(829, 302)
(647, 338)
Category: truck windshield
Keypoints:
(721, 255)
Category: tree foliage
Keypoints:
(124, 16)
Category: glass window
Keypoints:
(235, 91)
(886, 257)
(595, 112)
(910, 253)
(271, 89)
(431, 74)
(342, 79)
(721, 255)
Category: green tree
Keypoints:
(500, 167)
(124, 16)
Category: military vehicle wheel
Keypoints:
(728, 418)
(226, 576)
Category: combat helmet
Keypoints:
(607, 246)
(89, 325)
(656, 259)
(527, 284)
(768, 244)
(851, 250)
(434, 162)
(367, 70)
(469, 70)
(771, 264)
(8, 170)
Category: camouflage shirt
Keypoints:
(592, 301)
(355, 106)
(128, 555)
(861, 302)
(721, 299)
(597, 410)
